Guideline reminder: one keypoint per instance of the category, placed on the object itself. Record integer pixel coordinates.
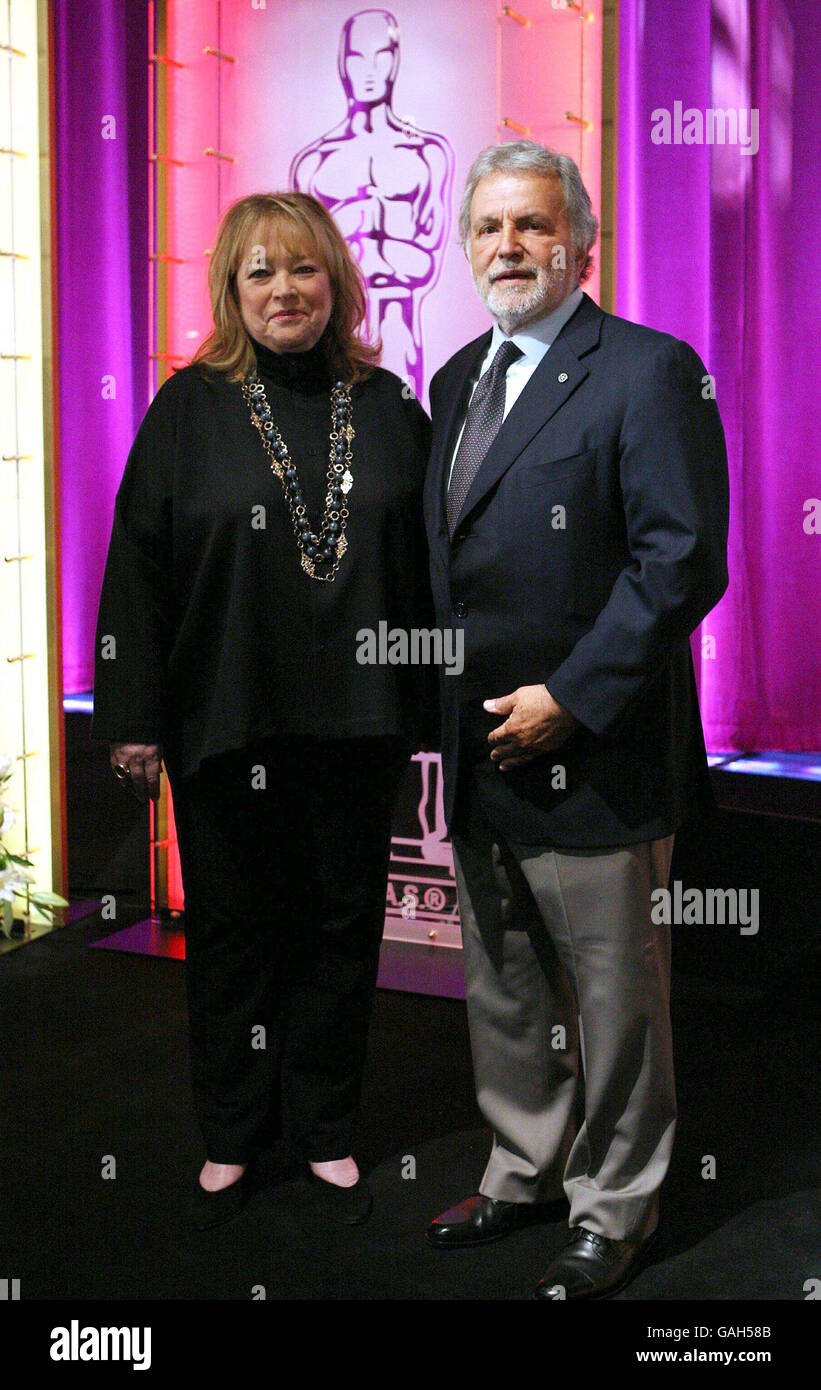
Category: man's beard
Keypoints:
(537, 297)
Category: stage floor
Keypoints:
(405, 966)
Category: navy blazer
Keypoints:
(592, 542)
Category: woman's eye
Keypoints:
(305, 270)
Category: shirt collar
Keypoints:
(535, 338)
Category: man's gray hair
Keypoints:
(528, 157)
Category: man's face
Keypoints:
(521, 254)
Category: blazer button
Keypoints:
(460, 610)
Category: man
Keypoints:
(576, 505)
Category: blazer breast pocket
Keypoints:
(537, 474)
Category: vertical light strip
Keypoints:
(157, 344)
(29, 699)
(609, 154)
(549, 74)
(153, 78)
(190, 186)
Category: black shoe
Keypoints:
(351, 1206)
(210, 1209)
(593, 1266)
(479, 1220)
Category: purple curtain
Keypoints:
(714, 244)
(101, 145)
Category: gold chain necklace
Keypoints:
(320, 550)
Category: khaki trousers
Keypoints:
(568, 985)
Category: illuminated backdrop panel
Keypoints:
(31, 819)
(379, 113)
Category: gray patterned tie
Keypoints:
(482, 422)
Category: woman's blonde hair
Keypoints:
(298, 221)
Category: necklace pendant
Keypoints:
(347, 481)
(307, 564)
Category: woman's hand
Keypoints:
(143, 764)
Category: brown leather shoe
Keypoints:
(592, 1266)
(479, 1220)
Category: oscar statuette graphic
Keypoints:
(388, 185)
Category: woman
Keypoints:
(269, 511)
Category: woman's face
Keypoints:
(285, 296)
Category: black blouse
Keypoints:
(219, 636)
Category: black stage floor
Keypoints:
(95, 1064)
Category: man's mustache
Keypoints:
(528, 271)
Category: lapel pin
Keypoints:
(562, 376)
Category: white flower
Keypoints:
(6, 764)
(13, 880)
(8, 817)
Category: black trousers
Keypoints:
(284, 849)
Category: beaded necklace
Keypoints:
(320, 549)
